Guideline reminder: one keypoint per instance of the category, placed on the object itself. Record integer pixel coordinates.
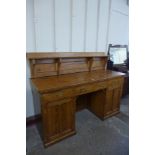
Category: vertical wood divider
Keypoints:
(58, 64)
(105, 62)
(32, 63)
(90, 63)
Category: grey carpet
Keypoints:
(94, 137)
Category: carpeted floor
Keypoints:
(94, 137)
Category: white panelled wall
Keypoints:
(119, 22)
(73, 26)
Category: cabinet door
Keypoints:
(113, 95)
(97, 102)
(109, 102)
(58, 120)
(116, 99)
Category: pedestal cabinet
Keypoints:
(58, 120)
(113, 95)
(106, 102)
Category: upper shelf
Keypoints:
(41, 55)
(58, 63)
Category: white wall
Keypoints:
(119, 23)
(30, 47)
(73, 25)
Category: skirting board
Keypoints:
(33, 119)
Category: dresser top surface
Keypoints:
(53, 83)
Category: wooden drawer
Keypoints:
(115, 83)
(70, 92)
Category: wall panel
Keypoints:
(119, 23)
(91, 27)
(30, 33)
(44, 26)
(120, 6)
(103, 25)
(78, 21)
(62, 25)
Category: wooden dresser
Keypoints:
(66, 82)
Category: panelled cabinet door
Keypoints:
(58, 119)
(109, 102)
(97, 103)
(113, 95)
(116, 99)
